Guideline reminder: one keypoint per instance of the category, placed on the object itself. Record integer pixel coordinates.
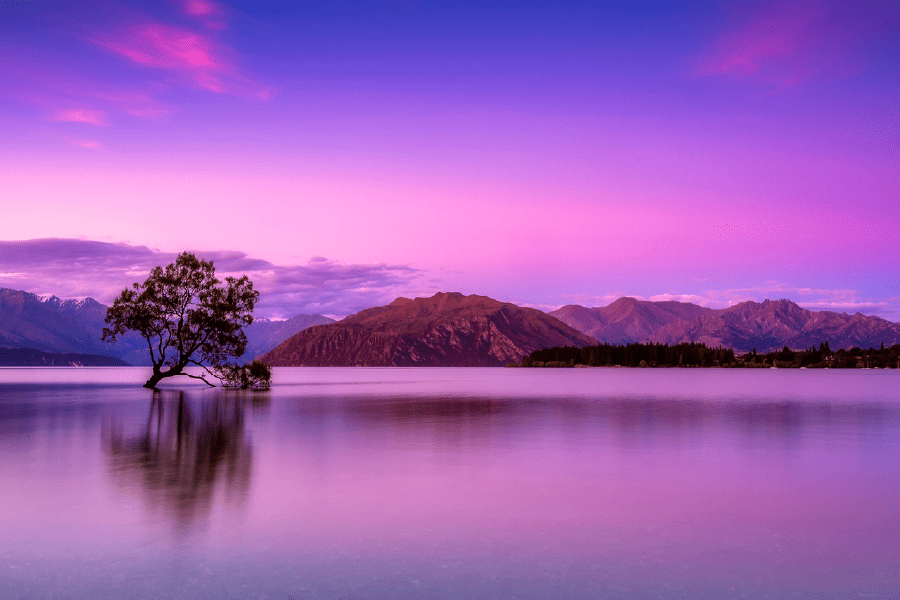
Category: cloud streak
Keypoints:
(72, 268)
(783, 44)
(210, 14)
(89, 144)
(193, 55)
(80, 115)
(199, 55)
(154, 56)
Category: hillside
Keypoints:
(57, 326)
(766, 326)
(265, 334)
(772, 324)
(75, 326)
(627, 319)
(447, 329)
(28, 357)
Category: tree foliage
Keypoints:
(631, 355)
(824, 357)
(187, 316)
(698, 355)
(256, 375)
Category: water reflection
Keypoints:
(451, 484)
(629, 421)
(191, 455)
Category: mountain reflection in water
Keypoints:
(477, 422)
(188, 451)
(452, 483)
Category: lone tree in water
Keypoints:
(188, 317)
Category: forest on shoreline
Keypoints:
(700, 356)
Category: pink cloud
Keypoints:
(209, 13)
(784, 45)
(161, 46)
(89, 144)
(200, 8)
(164, 46)
(137, 104)
(210, 82)
(198, 57)
(80, 115)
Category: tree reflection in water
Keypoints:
(190, 456)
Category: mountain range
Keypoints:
(26, 357)
(447, 329)
(450, 329)
(627, 319)
(58, 326)
(765, 326)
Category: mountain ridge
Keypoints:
(422, 330)
(447, 329)
(626, 319)
(765, 326)
(53, 325)
(29, 357)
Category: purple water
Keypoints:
(452, 483)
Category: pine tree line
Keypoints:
(631, 355)
(699, 355)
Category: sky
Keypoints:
(544, 153)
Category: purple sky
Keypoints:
(543, 153)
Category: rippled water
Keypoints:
(452, 483)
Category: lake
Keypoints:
(452, 483)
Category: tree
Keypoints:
(187, 316)
(256, 375)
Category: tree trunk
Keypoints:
(159, 374)
(154, 379)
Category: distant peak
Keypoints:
(438, 297)
(745, 303)
(77, 303)
(780, 303)
(624, 301)
(440, 301)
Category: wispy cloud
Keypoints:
(89, 144)
(155, 55)
(194, 55)
(782, 44)
(198, 54)
(692, 298)
(72, 268)
(210, 14)
(80, 115)
(141, 104)
(589, 300)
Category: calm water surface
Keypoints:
(452, 483)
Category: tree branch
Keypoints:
(152, 356)
(200, 377)
(204, 367)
